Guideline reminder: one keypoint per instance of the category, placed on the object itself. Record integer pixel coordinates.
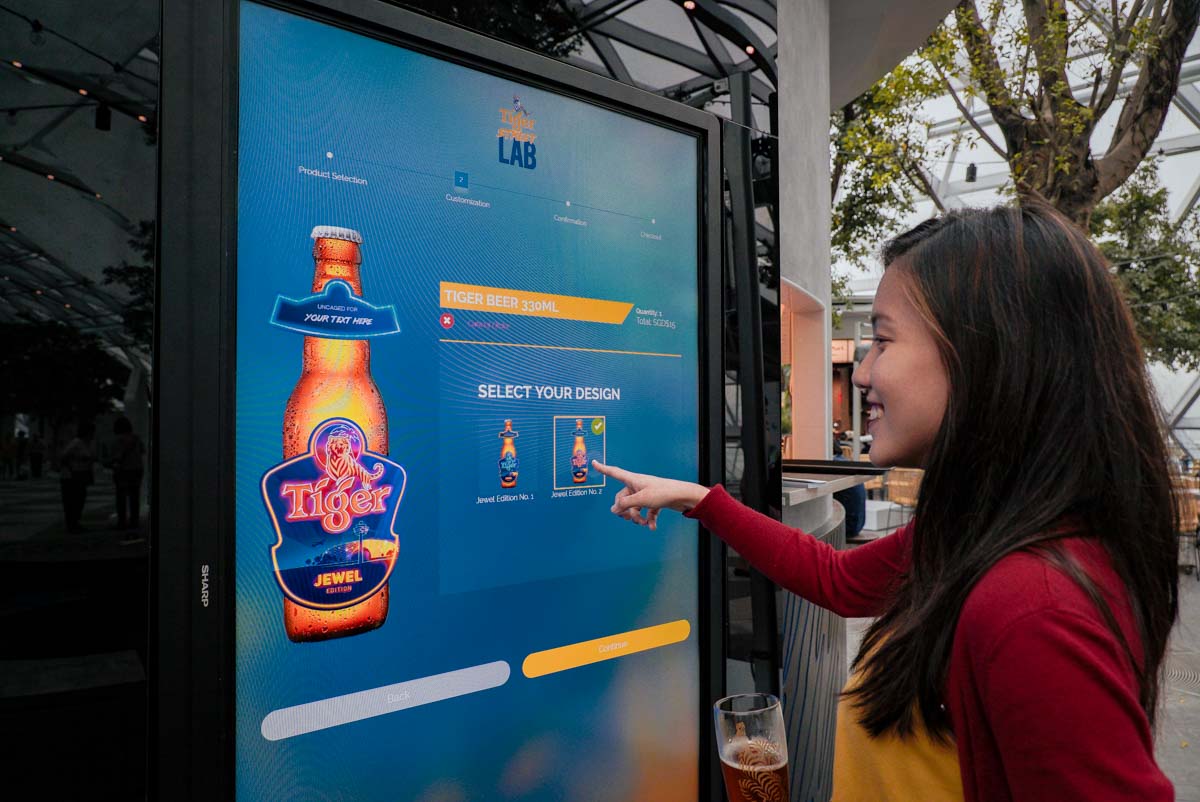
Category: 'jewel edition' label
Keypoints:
(334, 511)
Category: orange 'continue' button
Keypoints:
(575, 655)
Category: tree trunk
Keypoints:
(1048, 137)
(1075, 191)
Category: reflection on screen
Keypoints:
(454, 292)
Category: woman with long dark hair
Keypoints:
(1023, 615)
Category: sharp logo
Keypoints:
(204, 585)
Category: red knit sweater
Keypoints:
(1041, 696)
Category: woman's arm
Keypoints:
(850, 583)
(854, 583)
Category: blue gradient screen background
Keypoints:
(474, 582)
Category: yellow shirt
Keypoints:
(890, 768)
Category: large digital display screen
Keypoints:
(454, 291)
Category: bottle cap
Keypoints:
(335, 232)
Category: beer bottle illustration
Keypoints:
(579, 457)
(509, 465)
(336, 416)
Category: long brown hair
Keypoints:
(1050, 419)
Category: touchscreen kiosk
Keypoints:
(454, 286)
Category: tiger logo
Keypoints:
(340, 459)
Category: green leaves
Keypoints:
(1157, 263)
(138, 280)
(878, 143)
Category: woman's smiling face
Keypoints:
(903, 377)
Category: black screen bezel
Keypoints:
(193, 650)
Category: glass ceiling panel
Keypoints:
(651, 70)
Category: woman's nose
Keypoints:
(861, 377)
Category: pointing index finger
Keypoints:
(619, 474)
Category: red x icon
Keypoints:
(447, 320)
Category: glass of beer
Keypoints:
(752, 747)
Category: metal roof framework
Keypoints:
(734, 36)
(1183, 420)
(76, 161)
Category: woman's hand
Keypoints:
(643, 495)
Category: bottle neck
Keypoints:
(336, 260)
(330, 357)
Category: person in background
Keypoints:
(37, 456)
(127, 468)
(853, 499)
(854, 502)
(75, 465)
(1022, 616)
(22, 453)
(8, 458)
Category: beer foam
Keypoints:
(755, 754)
